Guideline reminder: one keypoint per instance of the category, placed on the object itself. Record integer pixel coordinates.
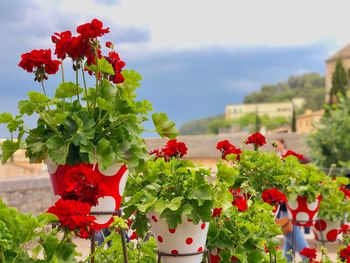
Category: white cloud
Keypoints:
(175, 24)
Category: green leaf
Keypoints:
(103, 66)
(164, 127)
(227, 174)
(37, 97)
(132, 78)
(58, 149)
(159, 206)
(26, 107)
(201, 194)
(175, 203)
(5, 117)
(104, 104)
(67, 90)
(8, 149)
(105, 155)
(47, 218)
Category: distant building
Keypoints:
(344, 54)
(307, 121)
(273, 109)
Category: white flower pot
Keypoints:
(186, 238)
(301, 212)
(326, 230)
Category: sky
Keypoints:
(195, 56)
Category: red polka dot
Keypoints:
(174, 252)
(200, 249)
(332, 235)
(189, 241)
(320, 225)
(160, 239)
(154, 219)
(203, 226)
(172, 230)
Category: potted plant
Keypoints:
(88, 136)
(332, 210)
(303, 187)
(176, 198)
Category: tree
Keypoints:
(329, 144)
(294, 120)
(339, 82)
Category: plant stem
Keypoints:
(42, 86)
(96, 84)
(2, 257)
(85, 89)
(76, 82)
(105, 241)
(62, 71)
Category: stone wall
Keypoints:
(33, 193)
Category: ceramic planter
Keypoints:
(113, 182)
(186, 238)
(301, 212)
(326, 230)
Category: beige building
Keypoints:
(278, 109)
(344, 54)
(306, 122)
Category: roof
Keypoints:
(342, 53)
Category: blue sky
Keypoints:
(195, 56)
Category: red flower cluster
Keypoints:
(345, 190)
(216, 212)
(173, 148)
(290, 152)
(257, 139)
(345, 229)
(109, 44)
(344, 254)
(226, 148)
(117, 64)
(39, 61)
(75, 216)
(309, 253)
(82, 183)
(239, 200)
(273, 196)
(93, 29)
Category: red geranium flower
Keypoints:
(93, 29)
(344, 253)
(310, 253)
(345, 190)
(173, 148)
(133, 236)
(216, 212)
(239, 200)
(226, 148)
(83, 184)
(39, 61)
(74, 216)
(345, 229)
(273, 196)
(257, 139)
(109, 44)
(290, 152)
(117, 64)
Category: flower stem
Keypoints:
(2, 257)
(85, 89)
(76, 82)
(43, 87)
(96, 75)
(62, 71)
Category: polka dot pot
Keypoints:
(113, 184)
(186, 238)
(301, 212)
(326, 230)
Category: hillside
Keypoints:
(309, 86)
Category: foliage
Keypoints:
(142, 250)
(170, 188)
(23, 237)
(329, 144)
(334, 203)
(245, 235)
(201, 126)
(85, 125)
(309, 86)
(339, 82)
